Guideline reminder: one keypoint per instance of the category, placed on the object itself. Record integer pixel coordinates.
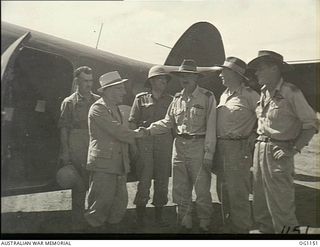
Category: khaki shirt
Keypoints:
(236, 115)
(284, 112)
(74, 111)
(146, 109)
(194, 115)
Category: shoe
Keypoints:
(97, 229)
(184, 230)
(159, 219)
(187, 222)
(204, 225)
(80, 227)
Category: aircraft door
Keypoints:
(34, 84)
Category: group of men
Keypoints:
(188, 134)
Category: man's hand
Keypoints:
(141, 132)
(251, 142)
(280, 153)
(207, 163)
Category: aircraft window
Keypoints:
(33, 94)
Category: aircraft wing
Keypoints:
(306, 77)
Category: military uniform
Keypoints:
(236, 120)
(74, 117)
(282, 115)
(193, 119)
(155, 151)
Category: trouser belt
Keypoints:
(262, 138)
(190, 137)
(240, 138)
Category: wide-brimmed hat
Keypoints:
(269, 56)
(188, 66)
(157, 70)
(235, 64)
(110, 79)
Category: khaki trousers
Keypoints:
(188, 173)
(235, 160)
(78, 146)
(107, 198)
(154, 163)
(273, 189)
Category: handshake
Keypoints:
(142, 132)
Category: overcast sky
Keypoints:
(290, 27)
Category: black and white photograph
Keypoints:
(152, 119)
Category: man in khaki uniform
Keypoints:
(108, 158)
(236, 120)
(192, 115)
(286, 123)
(73, 125)
(155, 151)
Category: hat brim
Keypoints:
(177, 72)
(147, 82)
(100, 90)
(221, 67)
(256, 61)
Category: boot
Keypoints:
(158, 217)
(204, 225)
(141, 212)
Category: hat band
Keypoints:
(188, 68)
(113, 81)
(234, 67)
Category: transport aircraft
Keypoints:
(36, 75)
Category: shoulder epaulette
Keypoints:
(96, 96)
(141, 94)
(71, 98)
(293, 87)
(207, 92)
(177, 95)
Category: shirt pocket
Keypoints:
(198, 115)
(178, 114)
(278, 109)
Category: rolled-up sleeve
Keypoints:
(164, 125)
(135, 113)
(304, 111)
(65, 120)
(211, 136)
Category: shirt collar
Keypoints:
(81, 97)
(162, 95)
(238, 90)
(276, 89)
(195, 92)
